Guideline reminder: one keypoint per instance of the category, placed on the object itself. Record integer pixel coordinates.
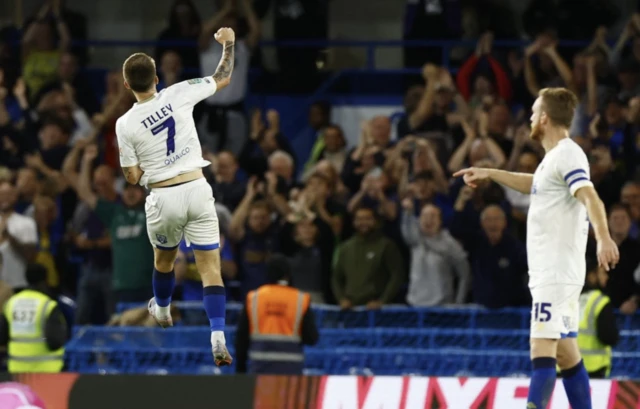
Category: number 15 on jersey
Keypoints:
(541, 311)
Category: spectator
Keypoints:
(628, 80)
(428, 108)
(140, 317)
(308, 244)
(18, 239)
(54, 141)
(598, 330)
(126, 222)
(470, 203)
(331, 147)
(273, 340)
(117, 101)
(436, 259)
(282, 165)
(483, 76)
(555, 70)
(45, 214)
(337, 190)
(229, 185)
(170, 69)
(621, 286)
(34, 348)
(319, 119)
(475, 147)
(69, 76)
(187, 274)
(498, 126)
(41, 56)
(263, 141)
(369, 269)
(27, 187)
(412, 157)
(524, 159)
(316, 197)
(498, 263)
(369, 154)
(90, 236)
(77, 24)
(226, 123)
(5, 289)
(424, 190)
(607, 179)
(60, 107)
(184, 26)
(628, 35)
(256, 236)
(630, 197)
(377, 193)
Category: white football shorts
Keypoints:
(186, 209)
(555, 311)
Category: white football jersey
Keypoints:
(160, 135)
(557, 223)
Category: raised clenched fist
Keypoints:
(225, 34)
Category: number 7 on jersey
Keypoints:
(170, 125)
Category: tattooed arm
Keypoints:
(222, 76)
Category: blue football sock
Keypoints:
(543, 380)
(214, 299)
(163, 287)
(576, 384)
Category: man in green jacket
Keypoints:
(369, 268)
(126, 222)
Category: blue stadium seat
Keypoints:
(392, 341)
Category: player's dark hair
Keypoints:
(140, 72)
(559, 104)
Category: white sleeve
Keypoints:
(194, 90)
(573, 168)
(128, 156)
(25, 231)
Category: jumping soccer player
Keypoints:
(562, 196)
(160, 149)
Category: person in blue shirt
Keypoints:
(190, 281)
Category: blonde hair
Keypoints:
(559, 104)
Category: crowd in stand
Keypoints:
(378, 223)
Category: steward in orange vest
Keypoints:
(275, 325)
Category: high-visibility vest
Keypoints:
(27, 313)
(595, 354)
(275, 321)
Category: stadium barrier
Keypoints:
(73, 391)
(460, 341)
